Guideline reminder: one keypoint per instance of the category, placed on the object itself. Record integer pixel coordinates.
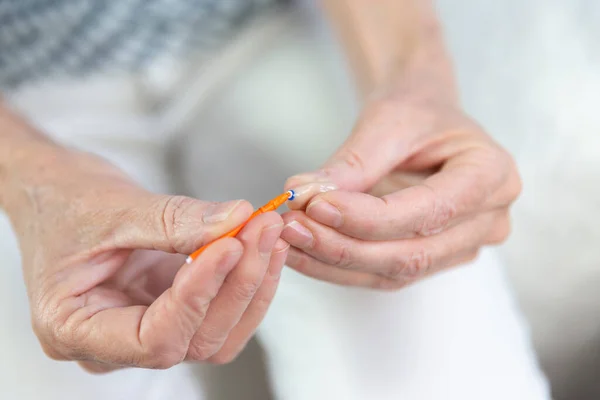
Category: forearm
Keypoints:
(394, 44)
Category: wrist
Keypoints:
(427, 73)
(24, 154)
(385, 41)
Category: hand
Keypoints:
(104, 266)
(421, 188)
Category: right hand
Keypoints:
(104, 264)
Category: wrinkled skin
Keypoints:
(104, 265)
(420, 188)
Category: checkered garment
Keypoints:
(58, 38)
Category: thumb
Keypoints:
(371, 152)
(178, 224)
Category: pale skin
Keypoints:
(420, 188)
(104, 261)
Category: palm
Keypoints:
(139, 278)
(397, 180)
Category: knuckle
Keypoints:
(197, 308)
(396, 270)
(442, 211)
(412, 266)
(419, 263)
(173, 214)
(203, 348)
(342, 257)
(244, 291)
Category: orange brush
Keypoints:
(270, 206)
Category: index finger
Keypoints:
(467, 185)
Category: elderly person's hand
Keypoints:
(421, 188)
(104, 262)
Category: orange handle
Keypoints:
(272, 205)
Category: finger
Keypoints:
(479, 179)
(394, 259)
(175, 224)
(375, 147)
(406, 214)
(303, 194)
(158, 336)
(461, 189)
(258, 239)
(306, 265)
(313, 268)
(256, 311)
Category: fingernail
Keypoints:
(325, 213)
(267, 240)
(314, 188)
(297, 234)
(310, 177)
(304, 193)
(219, 212)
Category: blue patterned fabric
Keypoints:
(58, 38)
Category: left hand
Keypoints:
(421, 188)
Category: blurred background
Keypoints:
(529, 72)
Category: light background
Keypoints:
(530, 72)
